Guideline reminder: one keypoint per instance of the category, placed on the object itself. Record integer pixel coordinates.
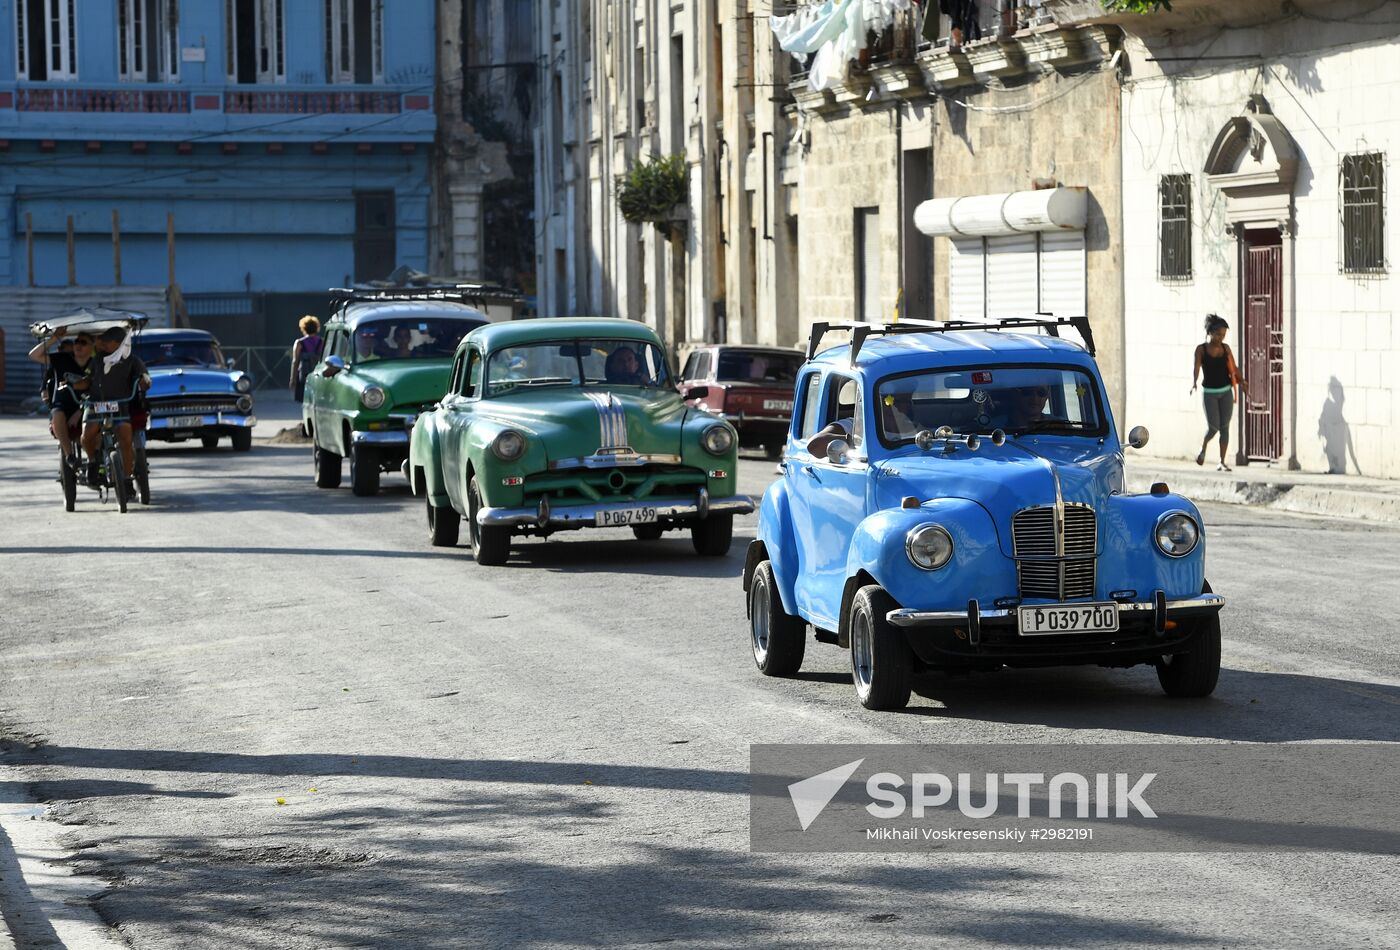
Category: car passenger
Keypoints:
(367, 344)
(114, 374)
(622, 367)
(63, 404)
(402, 347)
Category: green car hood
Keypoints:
(408, 382)
(578, 421)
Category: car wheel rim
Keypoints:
(472, 508)
(862, 653)
(758, 621)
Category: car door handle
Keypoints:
(811, 470)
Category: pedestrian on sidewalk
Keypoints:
(1219, 375)
(306, 353)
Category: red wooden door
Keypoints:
(1263, 347)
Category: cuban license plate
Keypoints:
(104, 407)
(186, 422)
(778, 405)
(626, 516)
(1068, 618)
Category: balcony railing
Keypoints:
(359, 102)
(67, 99)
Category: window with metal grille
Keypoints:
(1363, 213)
(1174, 194)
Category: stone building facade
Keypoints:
(1258, 149)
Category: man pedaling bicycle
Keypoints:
(115, 373)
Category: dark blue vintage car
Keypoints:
(194, 392)
(953, 499)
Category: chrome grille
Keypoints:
(189, 407)
(1051, 567)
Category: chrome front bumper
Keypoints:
(975, 615)
(236, 419)
(385, 437)
(586, 515)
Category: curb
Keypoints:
(1278, 496)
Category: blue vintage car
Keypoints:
(953, 499)
(194, 392)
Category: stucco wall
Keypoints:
(1061, 128)
(1344, 341)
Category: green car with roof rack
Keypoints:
(386, 356)
(558, 424)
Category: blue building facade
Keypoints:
(286, 142)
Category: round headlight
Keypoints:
(1178, 534)
(243, 384)
(717, 440)
(929, 546)
(244, 404)
(508, 446)
(372, 397)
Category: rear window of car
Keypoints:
(758, 367)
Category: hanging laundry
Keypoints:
(835, 31)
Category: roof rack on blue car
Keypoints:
(861, 331)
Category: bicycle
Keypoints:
(108, 414)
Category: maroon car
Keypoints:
(751, 386)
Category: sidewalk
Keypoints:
(1313, 493)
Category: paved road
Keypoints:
(272, 716)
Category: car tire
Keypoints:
(490, 543)
(712, 536)
(647, 532)
(779, 639)
(327, 467)
(882, 667)
(209, 441)
(242, 439)
(1194, 674)
(364, 470)
(444, 525)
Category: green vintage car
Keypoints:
(386, 359)
(555, 424)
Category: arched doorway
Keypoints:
(1254, 163)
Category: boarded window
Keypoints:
(1174, 229)
(1363, 213)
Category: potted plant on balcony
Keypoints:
(655, 191)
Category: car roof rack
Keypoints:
(861, 331)
(341, 297)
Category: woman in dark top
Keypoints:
(63, 404)
(306, 353)
(1219, 375)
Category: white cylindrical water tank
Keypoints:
(1050, 209)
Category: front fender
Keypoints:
(424, 452)
(977, 569)
(775, 531)
(1129, 558)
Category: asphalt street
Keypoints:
(266, 715)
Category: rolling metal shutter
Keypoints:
(1062, 274)
(966, 279)
(1012, 275)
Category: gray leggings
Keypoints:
(1219, 408)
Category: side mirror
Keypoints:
(229, 362)
(698, 392)
(1138, 436)
(334, 364)
(836, 451)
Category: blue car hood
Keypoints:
(1005, 479)
(177, 380)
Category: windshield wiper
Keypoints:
(1043, 425)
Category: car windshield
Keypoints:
(1017, 399)
(758, 367)
(576, 363)
(419, 339)
(179, 352)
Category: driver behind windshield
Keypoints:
(623, 368)
(1025, 405)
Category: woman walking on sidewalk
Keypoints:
(1221, 375)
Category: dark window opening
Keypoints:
(1363, 213)
(375, 235)
(1174, 261)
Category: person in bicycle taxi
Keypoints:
(113, 375)
(63, 404)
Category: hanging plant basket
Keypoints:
(655, 191)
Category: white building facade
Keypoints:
(1258, 150)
